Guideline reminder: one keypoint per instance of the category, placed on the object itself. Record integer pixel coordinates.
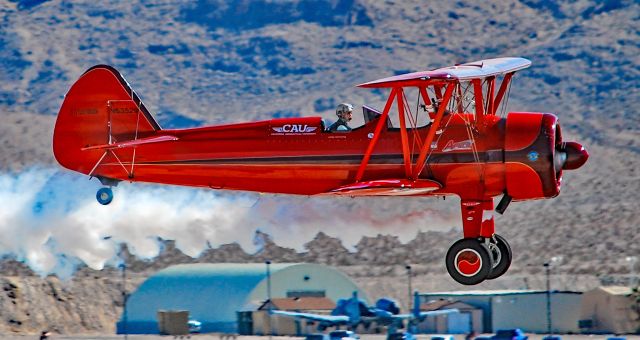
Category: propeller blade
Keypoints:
(575, 155)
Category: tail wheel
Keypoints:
(469, 261)
(502, 256)
(104, 196)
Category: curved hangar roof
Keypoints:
(213, 293)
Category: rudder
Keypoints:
(100, 108)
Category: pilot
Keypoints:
(344, 112)
(434, 107)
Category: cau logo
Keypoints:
(295, 128)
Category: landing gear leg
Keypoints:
(469, 261)
(501, 252)
(104, 196)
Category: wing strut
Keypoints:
(426, 147)
(491, 84)
(503, 88)
(477, 93)
(382, 121)
(411, 171)
(403, 135)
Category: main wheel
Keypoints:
(104, 196)
(502, 256)
(469, 261)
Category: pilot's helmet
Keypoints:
(344, 109)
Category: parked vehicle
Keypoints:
(510, 334)
(401, 336)
(442, 337)
(341, 335)
(194, 326)
(317, 336)
(557, 337)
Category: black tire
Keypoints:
(502, 260)
(474, 266)
(104, 196)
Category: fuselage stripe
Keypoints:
(439, 158)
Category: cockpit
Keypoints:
(369, 114)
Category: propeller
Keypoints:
(569, 156)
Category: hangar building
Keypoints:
(504, 309)
(214, 293)
(612, 309)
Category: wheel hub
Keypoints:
(468, 262)
(495, 252)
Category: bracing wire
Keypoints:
(503, 112)
(467, 103)
(469, 129)
(413, 121)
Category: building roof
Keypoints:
(435, 304)
(498, 292)
(616, 290)
(301, 303)
(214, 293)
(443, 304)
(202, 288)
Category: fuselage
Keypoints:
(104, 130)
(297, 156)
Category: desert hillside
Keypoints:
(214, 61)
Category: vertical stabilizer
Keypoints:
(100, 108)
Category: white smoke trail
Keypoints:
(51, 220)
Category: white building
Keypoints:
(524, 309)
(611, 309)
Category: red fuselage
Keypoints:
(296, 156)
(103, 130)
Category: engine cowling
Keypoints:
(535, 155)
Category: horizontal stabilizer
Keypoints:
(387, 187)
(132, 143)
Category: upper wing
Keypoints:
(473, 70)
(327, 319)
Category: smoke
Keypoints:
(51, 221)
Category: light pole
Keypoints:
(547, 266)
(122, 266)
(632, 263)
(409, 302)
(270, 303)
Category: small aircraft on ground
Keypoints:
(353, 312)
(456, 141)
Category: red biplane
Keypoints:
(466, 146)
